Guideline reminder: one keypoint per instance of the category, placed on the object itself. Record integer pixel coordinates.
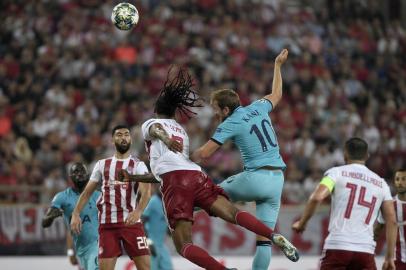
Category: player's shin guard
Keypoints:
(251, 223)
(200, 257)
(262, 256)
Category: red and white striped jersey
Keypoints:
(400, 209)
(118, 199)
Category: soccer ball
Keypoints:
(125, 16)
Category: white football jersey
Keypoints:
(355, 203)
(163, 160)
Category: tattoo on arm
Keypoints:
(157, 131)
(51, 214)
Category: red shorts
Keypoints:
(183, 190)
(132, 237)
(334, 259)
(400, 265)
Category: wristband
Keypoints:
(70, 252)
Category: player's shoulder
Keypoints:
(62, 195)
(102, 161)
(261, 103)
(149, 121)
(375, 175)
(334, 170)
(66, 192)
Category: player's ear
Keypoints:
(226, 110)
(345, 156)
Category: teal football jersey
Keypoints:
(250, 128)
(66, 200)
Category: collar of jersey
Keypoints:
(114, 157)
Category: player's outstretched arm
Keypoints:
(276, 94)
(124, 176)
(388, 212)
(76, 222)
(143, 196)
(158, 132)
(51, 214)
(318, 196)
(205, 151)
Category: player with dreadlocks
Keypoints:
(183, 184)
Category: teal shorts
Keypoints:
(162, 260)
(264, 187)
(89, 259)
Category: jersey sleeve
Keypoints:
(223, 132)
(387, 195)
(96, 175)
(141, 168)
(58, 201)
(262, 104)
(145, 129)
(329, 179)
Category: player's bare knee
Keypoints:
(180, 243)
(230, 212)
(182, 235)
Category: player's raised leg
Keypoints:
(182, 238)
(267, 211)
(224, 209)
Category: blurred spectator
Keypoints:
(67, 76)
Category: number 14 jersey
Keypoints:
(356, 199)
(163, 160)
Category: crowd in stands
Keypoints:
(67, 76)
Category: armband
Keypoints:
(328, 182)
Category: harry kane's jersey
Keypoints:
(163, 160)
(356, 198)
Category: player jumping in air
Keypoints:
(85, 244)
(251, 130)
(183, 184)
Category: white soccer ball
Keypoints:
(125, 16)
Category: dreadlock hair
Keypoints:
(177, 94)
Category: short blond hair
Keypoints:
(226, 98)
